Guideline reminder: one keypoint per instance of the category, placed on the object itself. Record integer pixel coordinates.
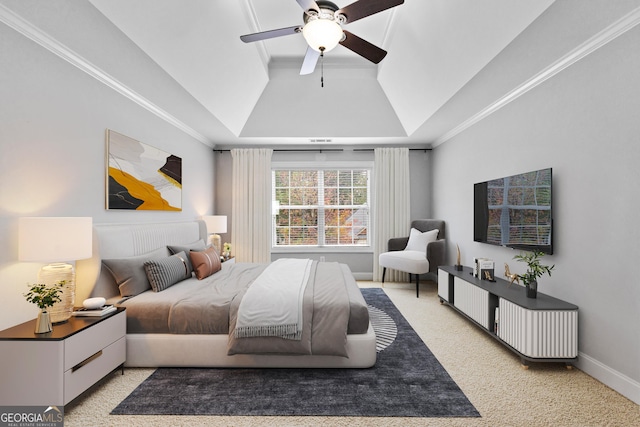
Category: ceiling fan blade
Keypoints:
(308, 4)
(310, 61)
(363, 48)
(363, 8)
(248, 38)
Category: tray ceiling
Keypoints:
(255, 92)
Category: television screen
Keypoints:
(515, 211)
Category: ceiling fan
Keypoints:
(322, 29)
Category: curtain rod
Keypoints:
(410, 149)
(320, 150)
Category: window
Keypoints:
(321, 207)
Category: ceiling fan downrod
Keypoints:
(321, 67)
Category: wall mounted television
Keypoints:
(515, 211)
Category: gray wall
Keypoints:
(584, 124)
(52, 150)
(361, 263)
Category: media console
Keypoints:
(542, 329)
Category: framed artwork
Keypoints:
(141, 177)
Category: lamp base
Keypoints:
(52, 274)
(215, 241)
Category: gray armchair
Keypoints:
(414, 263)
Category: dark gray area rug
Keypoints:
(406, 381)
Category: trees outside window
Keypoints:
(323, 207)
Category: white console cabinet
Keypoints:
(542, 329)
(54, 368)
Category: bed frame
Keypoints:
(194, 350)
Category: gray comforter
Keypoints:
(325, 314)
(333, 307)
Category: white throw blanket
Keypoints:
(272, 306)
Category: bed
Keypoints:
(157, 336)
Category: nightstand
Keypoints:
(54, 368)
(230, 260)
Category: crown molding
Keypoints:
(610, 33)
(252, 18)
(33, 33)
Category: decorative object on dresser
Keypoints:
(44, 297)
(53, 369)
(56, 240)
(483, 269)
(420, 253)
(511, 276)
(215, 224)
(535, 270)
(458, 265)
(540, 330)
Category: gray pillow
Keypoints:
(198, 245)
(129, 272)
(165, 272)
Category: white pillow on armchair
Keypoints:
(418, 240)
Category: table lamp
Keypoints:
(56, 240)
(215, 224)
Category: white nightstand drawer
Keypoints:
(94, 368)
(91, 340)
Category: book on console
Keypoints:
(95, 312)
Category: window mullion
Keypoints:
(320, 185)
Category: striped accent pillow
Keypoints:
(165, 272)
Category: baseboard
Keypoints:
(621, 383)
(363, 276)
(369, 277)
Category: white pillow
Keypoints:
(418, 241)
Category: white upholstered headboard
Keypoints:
(127, 240)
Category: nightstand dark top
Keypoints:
(61, 331)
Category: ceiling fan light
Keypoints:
(322, 34)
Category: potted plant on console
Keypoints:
(535, 270)
(44, 297)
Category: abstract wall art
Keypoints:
(141, 177)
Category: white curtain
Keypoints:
(392, 204)
(251, 205)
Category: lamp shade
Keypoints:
(215, 223)
(322, 34)
(55, 239)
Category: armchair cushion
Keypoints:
(418, 240)
(414, 262)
